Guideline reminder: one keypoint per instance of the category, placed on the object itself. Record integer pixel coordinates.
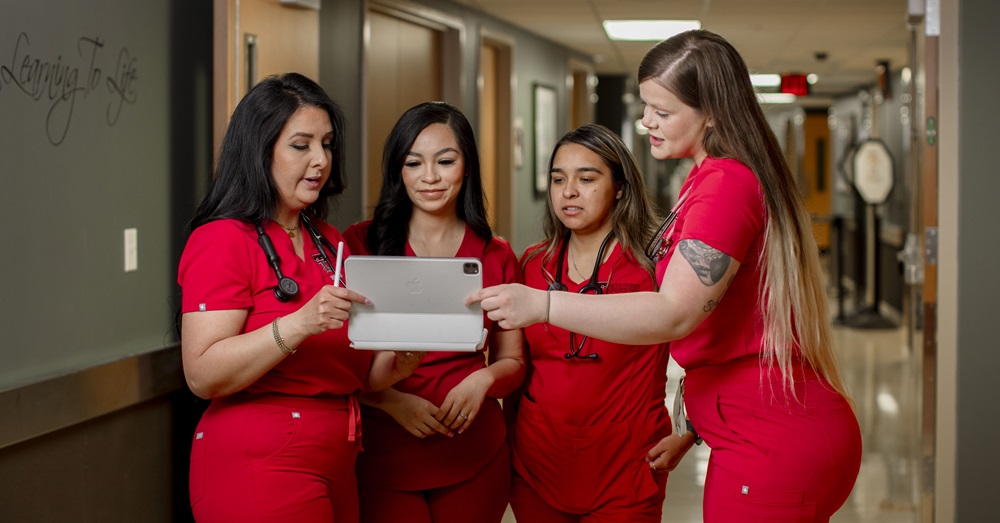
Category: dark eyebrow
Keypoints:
(439, 153)
(585, 169)
(309, 135)
(447, 150)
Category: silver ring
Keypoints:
(466, 416)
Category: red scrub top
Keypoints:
(584, 426)
(791, 455)
(224, 268)
(724, 208)
(395, 459)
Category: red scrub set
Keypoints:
(284, 448)
(584, 426)
(460, 479)
(775, 456)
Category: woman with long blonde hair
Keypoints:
(762, 383)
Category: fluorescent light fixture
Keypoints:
(765, 80)
(775, 98)
(647, 30)
(774, 80)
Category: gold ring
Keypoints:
(466, 416)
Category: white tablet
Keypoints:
(417, 303)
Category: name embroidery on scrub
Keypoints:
(323, 262)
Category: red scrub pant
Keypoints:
(480, 499)
(275, 458)
(529, 506)
(775, 457)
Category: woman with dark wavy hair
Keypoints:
(742, 297)
(590, 409)
(262, 328)
(435, 446)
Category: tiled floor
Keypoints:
(883, 375)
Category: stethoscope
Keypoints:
(592, 286)
(287, 288)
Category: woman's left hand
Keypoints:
(512, 305)
(463, 402)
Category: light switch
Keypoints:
(131, 249)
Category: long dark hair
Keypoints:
(391, 218)
(633, 218)
(243, 187)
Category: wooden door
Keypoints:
(403, 69)
(815, 176)
(259, 39)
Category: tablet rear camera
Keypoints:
(470, 268)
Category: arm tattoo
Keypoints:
(712, 304)
(708, 263)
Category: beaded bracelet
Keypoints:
(278, 339)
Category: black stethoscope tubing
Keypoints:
(287, 288)
(592, 285)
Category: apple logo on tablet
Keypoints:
(414, 286)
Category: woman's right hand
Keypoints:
(413, 413)
(512, 305)
(328, 309)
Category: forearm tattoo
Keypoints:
(713, 303)
(708, 263)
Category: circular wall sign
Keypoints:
(873, 175)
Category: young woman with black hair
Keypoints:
(435, 446)
(590, 409)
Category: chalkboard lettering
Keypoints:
(61, 82)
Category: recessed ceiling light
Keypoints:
(775, 98)
(765, 80)
(647, 30)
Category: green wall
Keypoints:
(104, 114)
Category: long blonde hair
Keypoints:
(708, 74)
(634, 218)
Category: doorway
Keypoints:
(495, 132)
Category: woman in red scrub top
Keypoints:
(762, 386)
(262, 328)
(435, 443)
(590, 409)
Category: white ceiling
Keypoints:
(774, 36)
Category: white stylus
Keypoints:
(340, 263)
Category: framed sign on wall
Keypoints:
(544, 115)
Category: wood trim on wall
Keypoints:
(57, 403)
